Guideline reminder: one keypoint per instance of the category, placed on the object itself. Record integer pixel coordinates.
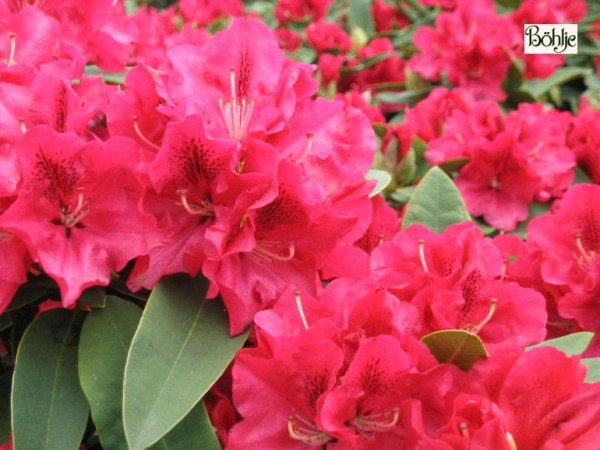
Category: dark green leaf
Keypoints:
(458, 347)
(5, 321)
(105, 339)
(539, 87)
(409, 97)
(571, 344)
(49, 410)
(194, 432)
(93, 297)
(367, 62)
(4, 408)
(593, 365)
(360, 16)
(181, 347)
(436, 203)
(581, 176)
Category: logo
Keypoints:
(550, 39)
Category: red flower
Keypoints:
(584, 139)
(472, 45)
(78, 210)
(328, 36)
(566, 244)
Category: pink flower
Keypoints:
(78, 210)
(472, 45)
(566, 244)
(297, 11)
(328, 36)
(584, 140)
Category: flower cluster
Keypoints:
(134, 146)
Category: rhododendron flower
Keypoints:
(297, 11)
(324, 36)
(472, 44)
(14, 266)
(329, 67)
(543, 398)
(584, 139)
(565, 244)
(387, 17)
(239, 72)
(545, 11)
(204, 12)
(78, 210)
(454, 279)
(390, 70)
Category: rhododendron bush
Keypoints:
(333, 224)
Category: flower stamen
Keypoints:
(422, 255)
(139, 134)
(305, 431)
(71, 216)
(378, 421)
(476, 329)
(300, 309)
(278, 254)
(13, 49)
(202, 209)
(236, 112)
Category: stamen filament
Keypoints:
(422, 255)
(23, 125)
(582, 249)
(464, 429)
(307, 148)
(204, 209)
(143, 138)
(307, 432)
(236, 112)
(378, 422)
(488, 317)
(300, 309)
(272, 256)
(13, 49)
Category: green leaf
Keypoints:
(93, 297)
(593, 365)
(4, 408)
(49, 410)
(454, 165)
(409, 96)
(571, 344)
(539, 87)
(383, 179)
(181, 347)
(194, 431)
(436, 203)
(581, 176)
(367, 62)
(403, 194)
(360, 16)
(458, 347)
(105, 339)
(5, 321)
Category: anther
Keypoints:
(303, 430)
(464, 429)
(422, 255)
(143, 138)
(300, 309)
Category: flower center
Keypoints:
(72, 214)
(302, 429)
(269, 251)
(237, 112)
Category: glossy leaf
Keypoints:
(180, 349)
(593, 365)
(539, 87)
(360, 16)
(571, 344)
(381, 177)
(105, 339)
(49, 410)
(455, 346)
(4, 408)
(194, 431)
(436, 203)
(5, 321)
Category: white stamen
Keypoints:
(143, 138)
(422, 255)
(301, 309)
